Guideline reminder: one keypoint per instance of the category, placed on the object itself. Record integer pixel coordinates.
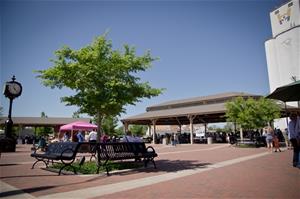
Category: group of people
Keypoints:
(293, 131)
(131, 138)
(272, 139)
(92, 137)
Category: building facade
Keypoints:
(283, 49)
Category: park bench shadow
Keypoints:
(166, 166)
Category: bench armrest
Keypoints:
(64, 151)
(33, 149)
(150, 149)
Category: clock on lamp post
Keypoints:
(12, 90)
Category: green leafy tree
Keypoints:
(212, 127)
(233, 109)
(104, 80)
(268, 110)
(109, 125)
(228, 127)
(44, 131)
(76, 115)
(250, 113)
(119, 131)
(138, 130)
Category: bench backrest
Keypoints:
(122, 149)
(66, 149)
(86, 147)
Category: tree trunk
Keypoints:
(241, 134)
(99, 124)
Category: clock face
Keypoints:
(14, 88)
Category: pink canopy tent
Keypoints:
(77, 126)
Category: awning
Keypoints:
(78, 125)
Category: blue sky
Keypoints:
(205, 47)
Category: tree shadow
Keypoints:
(162, 166)
(12, 164)
(39, 188)
(21, 191)
(26, 176)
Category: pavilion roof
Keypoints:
(42, 121)
(206, 109)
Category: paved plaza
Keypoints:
(184, 171)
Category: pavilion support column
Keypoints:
(149, 130)
(205, 128)
(125, 127)
(179, 128)
(72, 135)
(179, 124)
(154, 130)
(241, 134)
(191, 118)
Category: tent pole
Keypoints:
(72, 135)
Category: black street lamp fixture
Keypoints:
(12, 90)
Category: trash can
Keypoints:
(209, 140)
(164, 141)
(19, 141)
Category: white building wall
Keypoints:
(283, 50)
(283, 58)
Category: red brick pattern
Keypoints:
(270, 176)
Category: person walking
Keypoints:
(80, 137)
(294, 136)
(286, 139)
(66, 137)
(269, 138)
(93, 136)
(276, 143)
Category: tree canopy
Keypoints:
(251, 113)
(138, 130)
(44, 131)
(109, 125)
(104, 80)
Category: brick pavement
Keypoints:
(265, 176)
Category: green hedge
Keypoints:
(91, 167)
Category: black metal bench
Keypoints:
(88, 147)
(124, 150)
(58, 151)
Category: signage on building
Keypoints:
(285, 17)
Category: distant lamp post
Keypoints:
(12, 90)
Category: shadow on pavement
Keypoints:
(40, 188)
(166, 166)
(29, 190)
(3, 165)
(26, 176)
(162, 166)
